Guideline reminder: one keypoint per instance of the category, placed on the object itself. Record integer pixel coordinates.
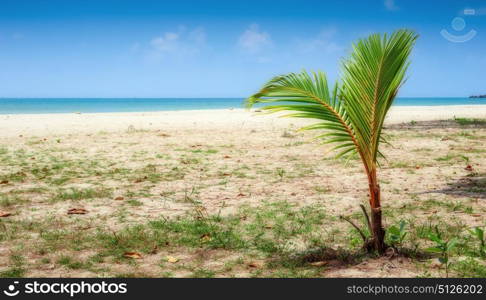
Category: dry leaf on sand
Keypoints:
(318, 263)
(254, 264)
(171, 259)
(4, 214)
(205, 237)
(77, 211)
(134, 255)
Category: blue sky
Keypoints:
(223, 48)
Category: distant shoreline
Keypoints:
(480, 107)
(114, 105)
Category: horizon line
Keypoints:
(229, 97)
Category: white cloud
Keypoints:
(168, 42)
(323, 42)
(179, 43)
(198, 36)
(253, 40)
(390, 5)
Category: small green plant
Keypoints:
(479, 234)
(396, 234)
(280, 173)
(353, 110)
(189, 196)
(442, 247)
(287, 134)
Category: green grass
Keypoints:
(450, 206)
(400, 165)
(207, 151)
(321, 189)
(70, 263)
(18, 176)
(16, 268)
(203, 273)
(268, 230)
(450, 156)
(284, 237)
(134, 202)
(7, 200)
(470, 121)
(81, 194)
(470, 267)
(155, 173)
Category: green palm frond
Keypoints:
(307, 95)
(371, 79)
(353, 111)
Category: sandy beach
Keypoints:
(157, 184)
(235, 119)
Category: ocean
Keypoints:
(99, 105)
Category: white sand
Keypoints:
(71, 123)
(254, 161)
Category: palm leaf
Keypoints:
(353, 112)
(371, 79)
(307, 95)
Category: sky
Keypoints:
(208, 48)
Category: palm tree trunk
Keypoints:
(378, 232)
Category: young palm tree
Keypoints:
(353, 111)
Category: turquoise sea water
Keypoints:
(97, 105)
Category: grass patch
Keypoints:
(16, 268)
(7, 200)
(470, 268)
(70, 263)
(449, 157)
(470, 121)
(81, 194)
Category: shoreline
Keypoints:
(201, 120)
(397, 107)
